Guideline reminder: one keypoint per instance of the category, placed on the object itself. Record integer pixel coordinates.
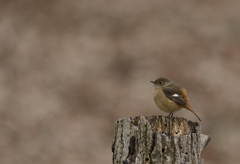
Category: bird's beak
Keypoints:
(152, 82)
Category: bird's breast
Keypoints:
(163, 102)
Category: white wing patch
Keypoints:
(175, 95)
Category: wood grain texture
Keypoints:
(157, 139)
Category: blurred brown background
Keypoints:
(70, 69)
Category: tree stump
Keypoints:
(157, 140)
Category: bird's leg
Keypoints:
(170, 114)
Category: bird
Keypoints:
(170, 96)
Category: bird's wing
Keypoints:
(175, 95)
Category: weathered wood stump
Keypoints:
(156, 140)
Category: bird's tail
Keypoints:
(189, 108)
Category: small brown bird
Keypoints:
(170, 96)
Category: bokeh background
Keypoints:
(70, 69)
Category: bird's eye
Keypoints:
(160, 82)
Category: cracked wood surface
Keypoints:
(157, 139)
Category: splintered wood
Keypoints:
(156, 140)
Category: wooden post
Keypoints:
(158, 140)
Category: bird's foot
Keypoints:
(170, 114)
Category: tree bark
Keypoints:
(158, 139)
